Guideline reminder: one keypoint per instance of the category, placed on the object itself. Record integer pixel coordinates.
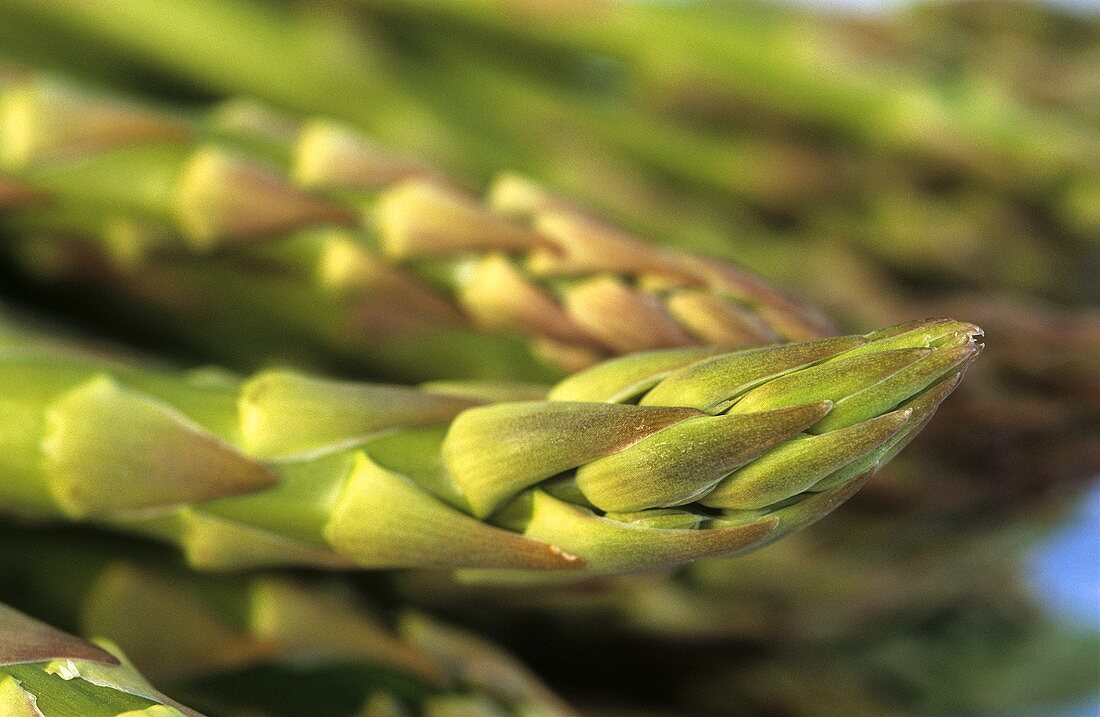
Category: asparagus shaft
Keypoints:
(360, 250)
(639, 463)
(189, 632)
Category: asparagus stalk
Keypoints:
(881, 106)
(647, 197)
(362, 251)
(207, 637)
(382, 88)
(1039, 50)
(778, 61)
(46, 673)
(642, 462)
(918, 235)
(966, 128)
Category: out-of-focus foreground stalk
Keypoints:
(645, 109)
(270, 644)
(46, 673)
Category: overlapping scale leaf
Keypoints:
(761, 441)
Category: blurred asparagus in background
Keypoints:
(231, 643)
(46, 673)
(977, 659)
(357, 254)
(643, 109)
(265, 644)
(876, 614)
(1040, 52)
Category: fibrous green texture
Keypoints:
(361, 254)
(214, 640)
(46, 673)
(641, 462)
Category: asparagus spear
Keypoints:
(216, 640)
(1056, 181)
(375, 260)
(1039, 50)
(385, 90)
(642, 462)
(879, 105)
(778, 61)
(46, 673)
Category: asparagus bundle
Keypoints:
(865, 295)
(913, 223)
(364, 254)
(46, 673)
(227, 643)
(642, 462)
(641, 102)
(277, 301)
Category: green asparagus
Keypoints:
(641, 462)
(46, 673)
(628, 105)
(198, 634)
(361, 252)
